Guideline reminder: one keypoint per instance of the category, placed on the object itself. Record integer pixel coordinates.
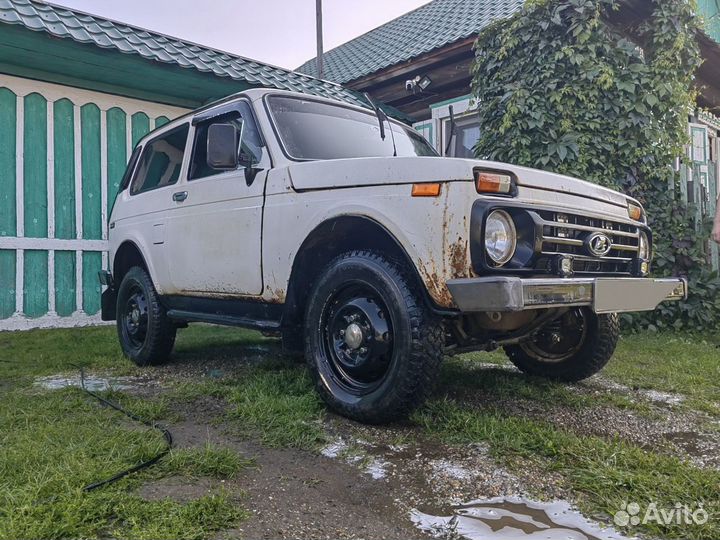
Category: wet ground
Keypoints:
(391, 482)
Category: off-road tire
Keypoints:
(160, 332)
(417, 339)
(601, 338)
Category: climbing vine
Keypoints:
(561, 87)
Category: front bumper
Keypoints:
(602, 294)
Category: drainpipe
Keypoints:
(319, 28)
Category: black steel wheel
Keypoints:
(372, 347)
(358, 337)
(571, 348)
(560, 339)
(146, 334)
(135, 317)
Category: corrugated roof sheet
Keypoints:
(427, 28)
(65, 23)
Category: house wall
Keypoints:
(63, 152)
(700, 172)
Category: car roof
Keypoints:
(254, 95)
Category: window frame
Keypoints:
(192, 153)
(146, 147)
(209, 115)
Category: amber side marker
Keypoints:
(488, 182)
(634, 211)
(426, 190)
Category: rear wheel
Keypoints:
(570, 348)
(146, 334)
(372, 347)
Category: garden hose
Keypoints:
(139, 466)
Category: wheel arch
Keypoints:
(326, 241)
(127, 255)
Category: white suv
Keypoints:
(345, 233)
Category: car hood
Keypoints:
(358, 172)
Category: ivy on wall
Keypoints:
(559, 88)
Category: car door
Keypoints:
(143, 210)
(214, 229)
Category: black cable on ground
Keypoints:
(143, 464)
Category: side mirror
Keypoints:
(222, 147)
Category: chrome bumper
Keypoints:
(603, 295)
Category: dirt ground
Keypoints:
(373, 482)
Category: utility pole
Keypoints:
(319, 28)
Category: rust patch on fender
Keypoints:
(458, 258)
(436, 287)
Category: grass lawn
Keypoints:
(56, 442)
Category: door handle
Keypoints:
(180, 196)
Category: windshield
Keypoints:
(314, 130)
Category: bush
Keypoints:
(558, 88)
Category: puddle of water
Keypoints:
(378, 469)
(513, 519)
(490, 365)
(92, 382)
(375, 467)
(663, 397)
(334, 449)
(702, 447)
(655, 396)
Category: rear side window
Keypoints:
(161, 161)
(125, 182)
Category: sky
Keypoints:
(278, 32)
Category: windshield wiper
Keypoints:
(382, 118)
(453, 132)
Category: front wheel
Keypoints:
(146, 333)
(373, 348)
(573, 347)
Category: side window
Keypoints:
(250, 143)
(199, 167)
(161, 161)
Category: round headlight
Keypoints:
(500, 237)
(644, 246)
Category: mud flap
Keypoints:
(108, 303)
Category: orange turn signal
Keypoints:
(634, 211)
(489, 182)
(426, 190)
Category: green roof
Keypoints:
(429, 27)
(710, 11)
(67, 24)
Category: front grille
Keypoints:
(566, 234)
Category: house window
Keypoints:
(467, 133)
(699, 143)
